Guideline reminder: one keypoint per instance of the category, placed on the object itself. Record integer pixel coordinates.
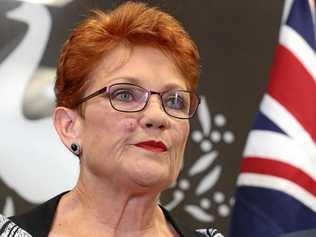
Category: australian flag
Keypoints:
(276, 191)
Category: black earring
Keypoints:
(75, 148)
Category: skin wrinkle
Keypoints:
(84, 199)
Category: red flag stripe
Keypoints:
(279, 169)
(294, 88)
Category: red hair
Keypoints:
(132, 24)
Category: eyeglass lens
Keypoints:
(132, 98)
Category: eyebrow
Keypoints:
(137, 81)
(133, 80)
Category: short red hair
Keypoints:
(131, 24)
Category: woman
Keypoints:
(125, 91)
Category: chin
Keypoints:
(150, 172)
(156, 179)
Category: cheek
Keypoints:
(109, 127)
(184, 131)
(128, 125)
(108, 136)
(121, 129)
(180, 138)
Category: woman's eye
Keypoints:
(123, 95)
(175, 102)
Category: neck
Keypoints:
(112, 209)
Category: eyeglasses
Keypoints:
(127, 97)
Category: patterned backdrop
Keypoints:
(236, 41)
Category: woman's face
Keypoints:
(114, 144)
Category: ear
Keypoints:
(67, 125)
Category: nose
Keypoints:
(154, 117)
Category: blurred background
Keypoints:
(236, 40)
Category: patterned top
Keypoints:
(209, 232)
(10, 229)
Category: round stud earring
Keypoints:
(75, 148)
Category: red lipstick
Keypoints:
(153, 146)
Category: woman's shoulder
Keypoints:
(38, 221)
(186, 230)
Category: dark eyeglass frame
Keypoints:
(106, 92)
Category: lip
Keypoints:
(154, 146)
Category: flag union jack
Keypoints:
(277, 183)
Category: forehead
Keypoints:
(142, 65)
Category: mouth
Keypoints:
(154, 146)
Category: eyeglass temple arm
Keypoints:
(98, 92)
